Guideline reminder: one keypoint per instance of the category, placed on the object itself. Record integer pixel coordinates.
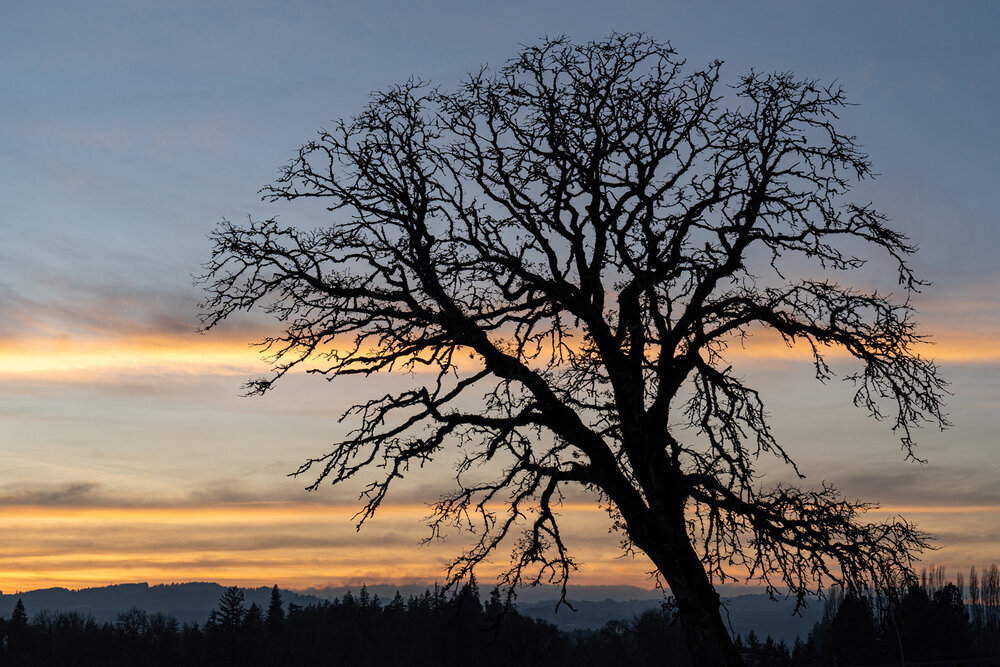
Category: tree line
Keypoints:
(436, 628)
(930, 620)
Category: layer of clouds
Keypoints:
(232, 542)
(83, 494)
(78, 494)
(898, 484)
(214, 492)
(295, 544)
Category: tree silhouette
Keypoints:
(230, 613)
(275, 612)
(18, 617)
(17, 633)
(225, 626)
(456, 629)
(568, 247)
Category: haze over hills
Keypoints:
(594, 606)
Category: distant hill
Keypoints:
(188, 603)
(595, 605)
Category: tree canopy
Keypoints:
(565, 249)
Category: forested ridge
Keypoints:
(952, 622)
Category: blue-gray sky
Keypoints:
(129, 128)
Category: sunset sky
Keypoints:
(129, 128)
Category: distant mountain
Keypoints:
(595, 605)
(188, 603)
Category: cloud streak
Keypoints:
(64, 495)
(959, 487)
(109, 358)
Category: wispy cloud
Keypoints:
(220, 494)
(59, 495)
(111, 360)
(62, 307)
(941, 487)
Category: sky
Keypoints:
(129, 128)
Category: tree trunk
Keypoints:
(698, 604)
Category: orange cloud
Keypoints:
(306, 545)
(293, 545)
(943, 510)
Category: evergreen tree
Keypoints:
(752, 650)
(798, 651)
(275, 613)
(18, 641)
(496, 605)
(398, 604)
(230, 612)
(18, 617)
(225, 626)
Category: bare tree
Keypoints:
(567, 247)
